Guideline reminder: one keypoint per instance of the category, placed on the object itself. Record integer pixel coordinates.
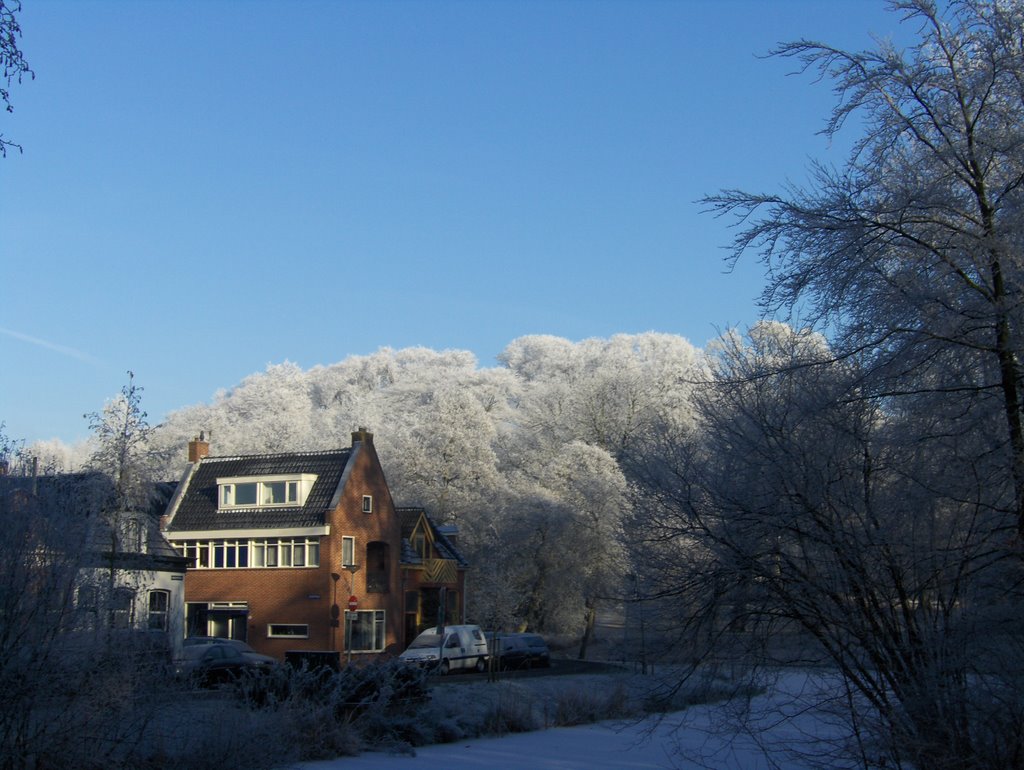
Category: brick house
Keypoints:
(277, 543)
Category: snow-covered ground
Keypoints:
(605, 745)
(700, 737)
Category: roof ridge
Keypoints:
(271, 455)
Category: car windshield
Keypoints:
(426, 640)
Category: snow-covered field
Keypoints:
(699, 737)
(604, 745)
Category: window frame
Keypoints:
(367, 503)
(251, 553)
(348, 542)
(162, 614)
(271, 634)
(296, 489)
(377, 631)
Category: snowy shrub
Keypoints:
(577, 706)
(315, 731)
(512, 713)
(672, 695)
(328, 713)
(201, 734)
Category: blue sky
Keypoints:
(210, 186)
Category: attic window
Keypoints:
(420, 543)
(367, 504)
(264, 492)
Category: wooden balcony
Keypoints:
(440, 571)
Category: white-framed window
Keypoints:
(243, 554)
(348, 551)
(366, 630)
(367, 503)
(159, 602)
(228, 554)
(288, 631)
(263, 492)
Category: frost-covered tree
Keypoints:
(803, 521)
(443, 454)
(121, 436)
(56, 456)
(13, 65)
(604, 392)
(861, 502)
(562, 504)
(75, 695)
(911, 252)
(39, 561)
(10, 450)
(592, 490)
(270, 411)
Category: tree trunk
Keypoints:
(1010, 382)
(590, 618)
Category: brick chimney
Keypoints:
(198, 448)
(362, 435)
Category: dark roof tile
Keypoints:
(197, 509)
(445, 548)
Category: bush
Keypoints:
(512, 713)
(577, 707)
(337, 713)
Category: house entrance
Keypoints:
(227, 620)
(421, 610)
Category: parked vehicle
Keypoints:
(540, 655)
(208, 665)
(257, 659)
(509, 653)
(515, 651)
(463, 647)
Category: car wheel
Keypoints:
(443, 668)
(481, 665)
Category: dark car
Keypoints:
(538, 650)
(208, 665)
(516, 651)
(263, 661)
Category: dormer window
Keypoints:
(264, 492)
(279, 492)
(420, 543)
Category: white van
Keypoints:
(463, 647)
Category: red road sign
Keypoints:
(353, 603)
